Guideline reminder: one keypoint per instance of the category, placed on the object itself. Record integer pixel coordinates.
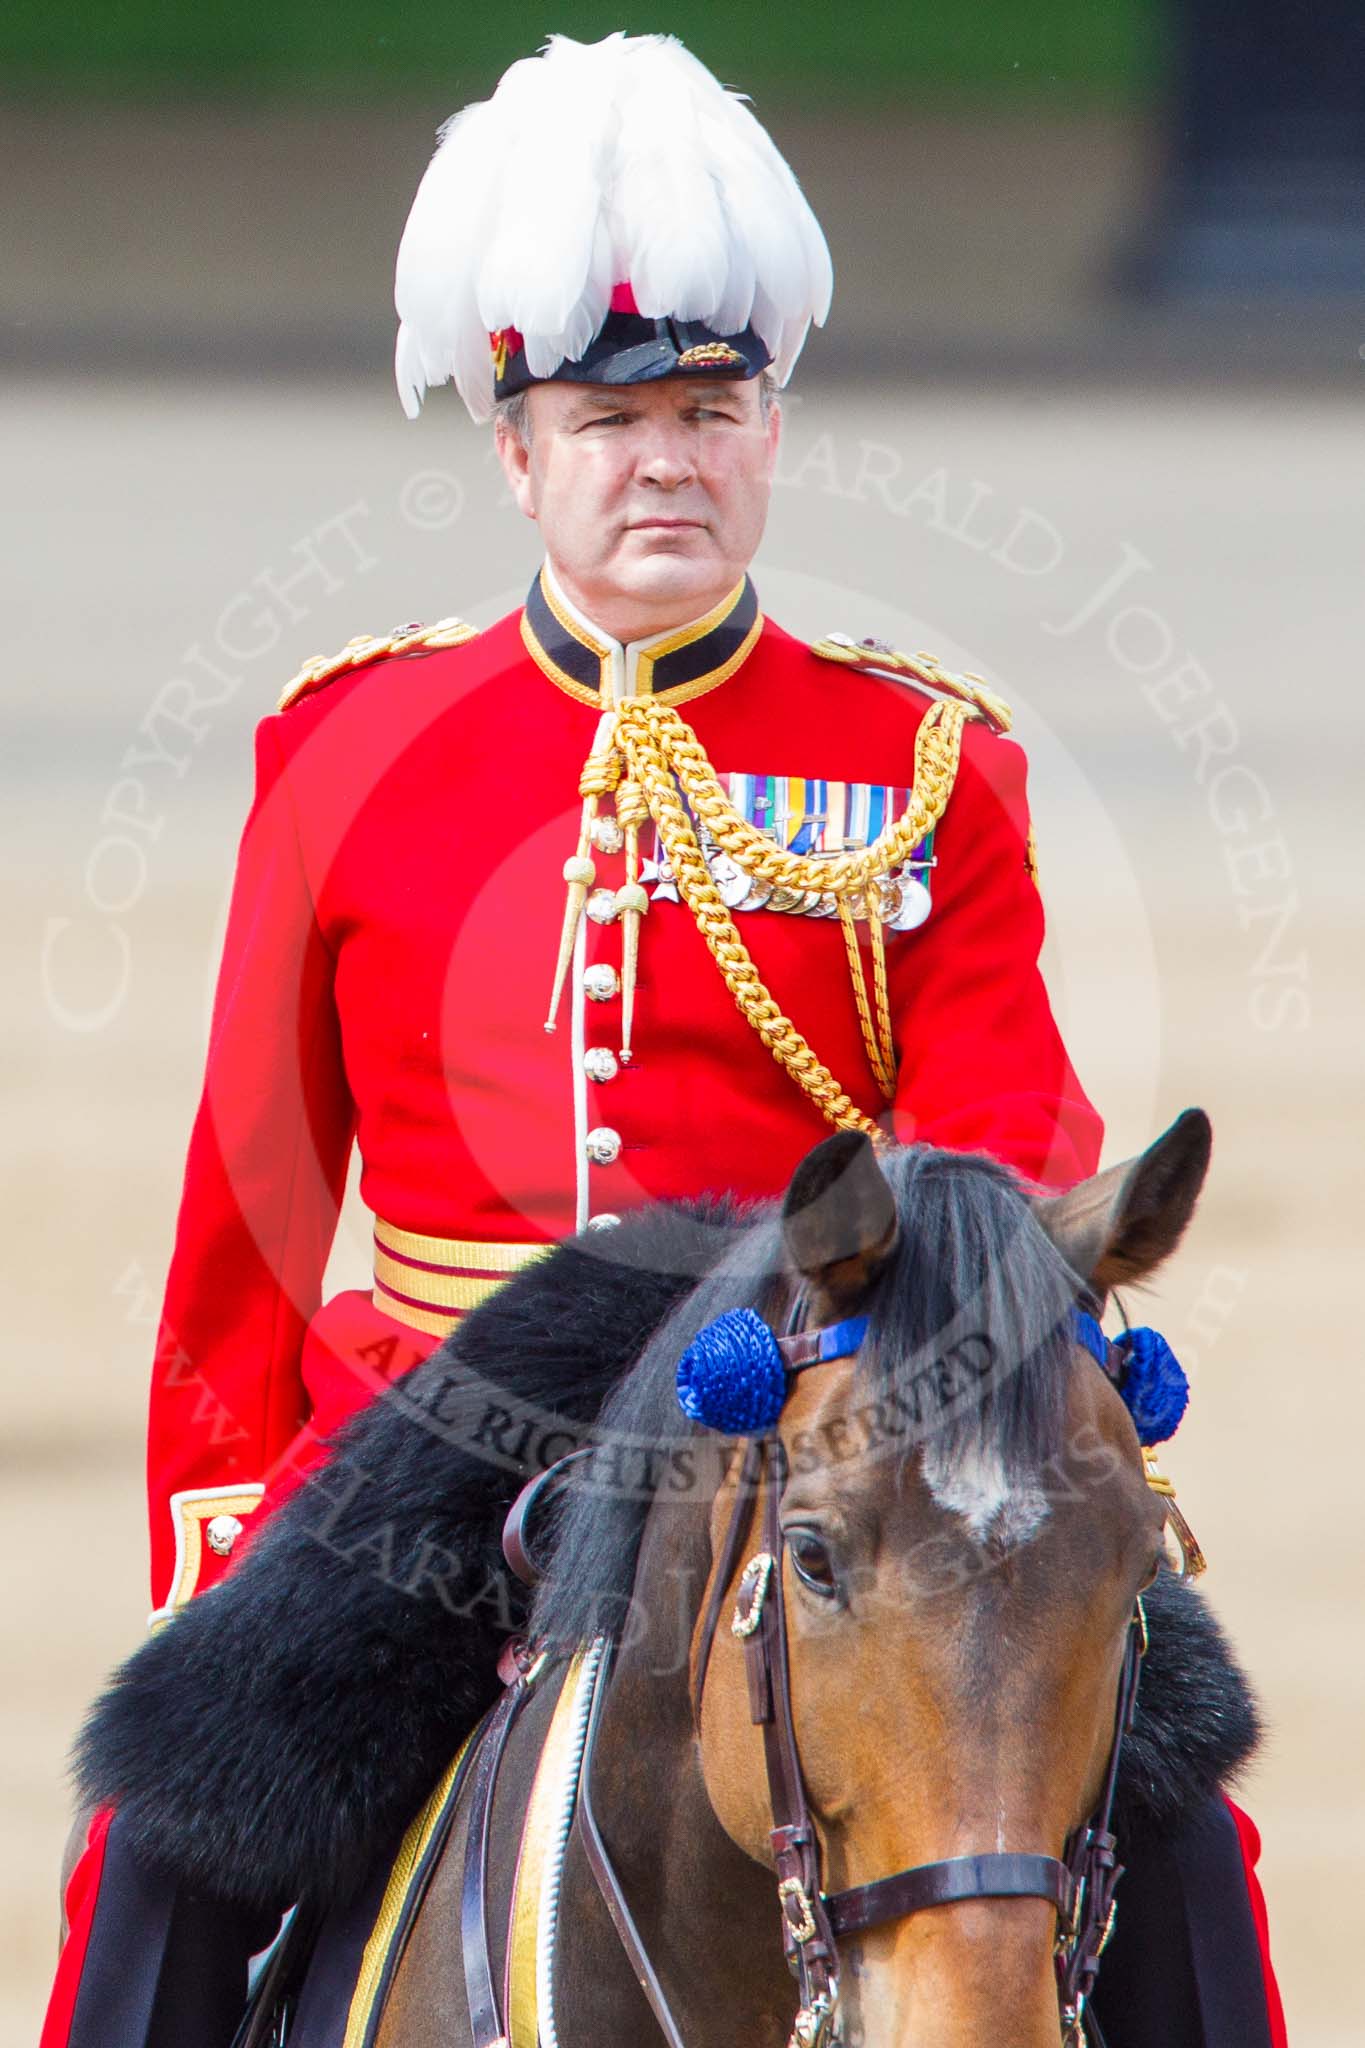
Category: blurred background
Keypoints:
(1086, 418)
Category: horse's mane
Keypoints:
(971, 1268)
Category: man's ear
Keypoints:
(774, 436)
(839, 1217)
(1117, 1227)
(515, 456)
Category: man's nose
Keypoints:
(668, 461)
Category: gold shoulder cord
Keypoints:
(322, 668)
(920, 668)
(932, 675)
(647, 754)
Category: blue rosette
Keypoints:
(731, 1377)
(1154, 1387)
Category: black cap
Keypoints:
(629, 349)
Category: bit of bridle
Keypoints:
(1080, 1886)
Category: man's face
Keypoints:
(651, 498)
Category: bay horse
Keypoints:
(848, 1696)
(962, 1551)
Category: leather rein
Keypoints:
(1080, 1885)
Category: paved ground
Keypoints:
(1124, 567)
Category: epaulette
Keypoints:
(321, 668)
(931, 675)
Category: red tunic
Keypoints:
(385, 978)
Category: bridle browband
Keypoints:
(1080, 1885)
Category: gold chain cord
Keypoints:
(877, 1040)
(883, 998)
(660, 747)
(647, 728)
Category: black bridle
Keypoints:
(1080, 1885)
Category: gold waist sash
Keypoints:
(430, 1282)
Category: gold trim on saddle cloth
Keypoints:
(430, 1282)
(545, 1809)
(374, 1963)
(543, 1814)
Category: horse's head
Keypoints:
(965, 1529)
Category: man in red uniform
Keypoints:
(393, 940)
(800, 886)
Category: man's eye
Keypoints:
(812, 1562)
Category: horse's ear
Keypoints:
(1117, 1227)
(839, 1219)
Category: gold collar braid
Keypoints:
(652, 759)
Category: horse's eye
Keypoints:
(812, 1562)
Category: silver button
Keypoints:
(601, 983)
(603, 1146)
(222, 1532)
(600, 1063)
(601, 906)
(606, 1221)
(606, 835)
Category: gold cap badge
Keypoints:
(711, 355)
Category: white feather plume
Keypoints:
(437, 265)
(595, 164)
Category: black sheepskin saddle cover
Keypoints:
(292, 1719)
